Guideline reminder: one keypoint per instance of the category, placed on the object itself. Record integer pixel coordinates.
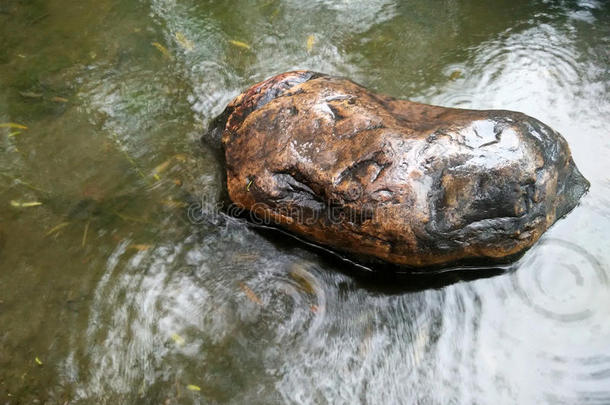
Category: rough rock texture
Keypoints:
(407, 183)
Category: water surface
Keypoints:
(109, 294)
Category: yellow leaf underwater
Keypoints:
(37, 360)
(26, 204)
(30, 94)
(311, 40)
(245, 257)
(456, 74)
(179, 340)
(84, 240)
(161, 168)
(239, 44)
(140, 247)
(184, 42)
(250, 294)
(162, 49)
(192, 387)
(169, 203)
(12, 125)
(181, 157)
(156, 172)
(304, 279)
(57, 228)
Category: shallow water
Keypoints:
(110, 294)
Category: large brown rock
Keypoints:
(379, 178)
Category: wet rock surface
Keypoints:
(394, 181)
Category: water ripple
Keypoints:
(562, 281)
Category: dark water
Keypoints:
(109, 294)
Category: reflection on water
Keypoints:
(121, 299)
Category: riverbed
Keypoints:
(111, 292)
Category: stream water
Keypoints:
(109, 294)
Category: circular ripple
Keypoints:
(297, 300)
(561, 281)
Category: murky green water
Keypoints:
(108, 294)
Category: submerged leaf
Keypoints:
(140, 247)
(30, 94)
(85, 234)
(26, 204)
(57, 228)
(456, 74)
(181, 157)
(250, 294)
(184, 41)
(245, 257)
(173, 204)
(193, 387)
(12, 125)
(304, 279)
(161, 168)
(179, 340)
(162, 49)
(310, 41)
(239, 44)
(37, 360)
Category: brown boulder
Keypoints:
(379, 178)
